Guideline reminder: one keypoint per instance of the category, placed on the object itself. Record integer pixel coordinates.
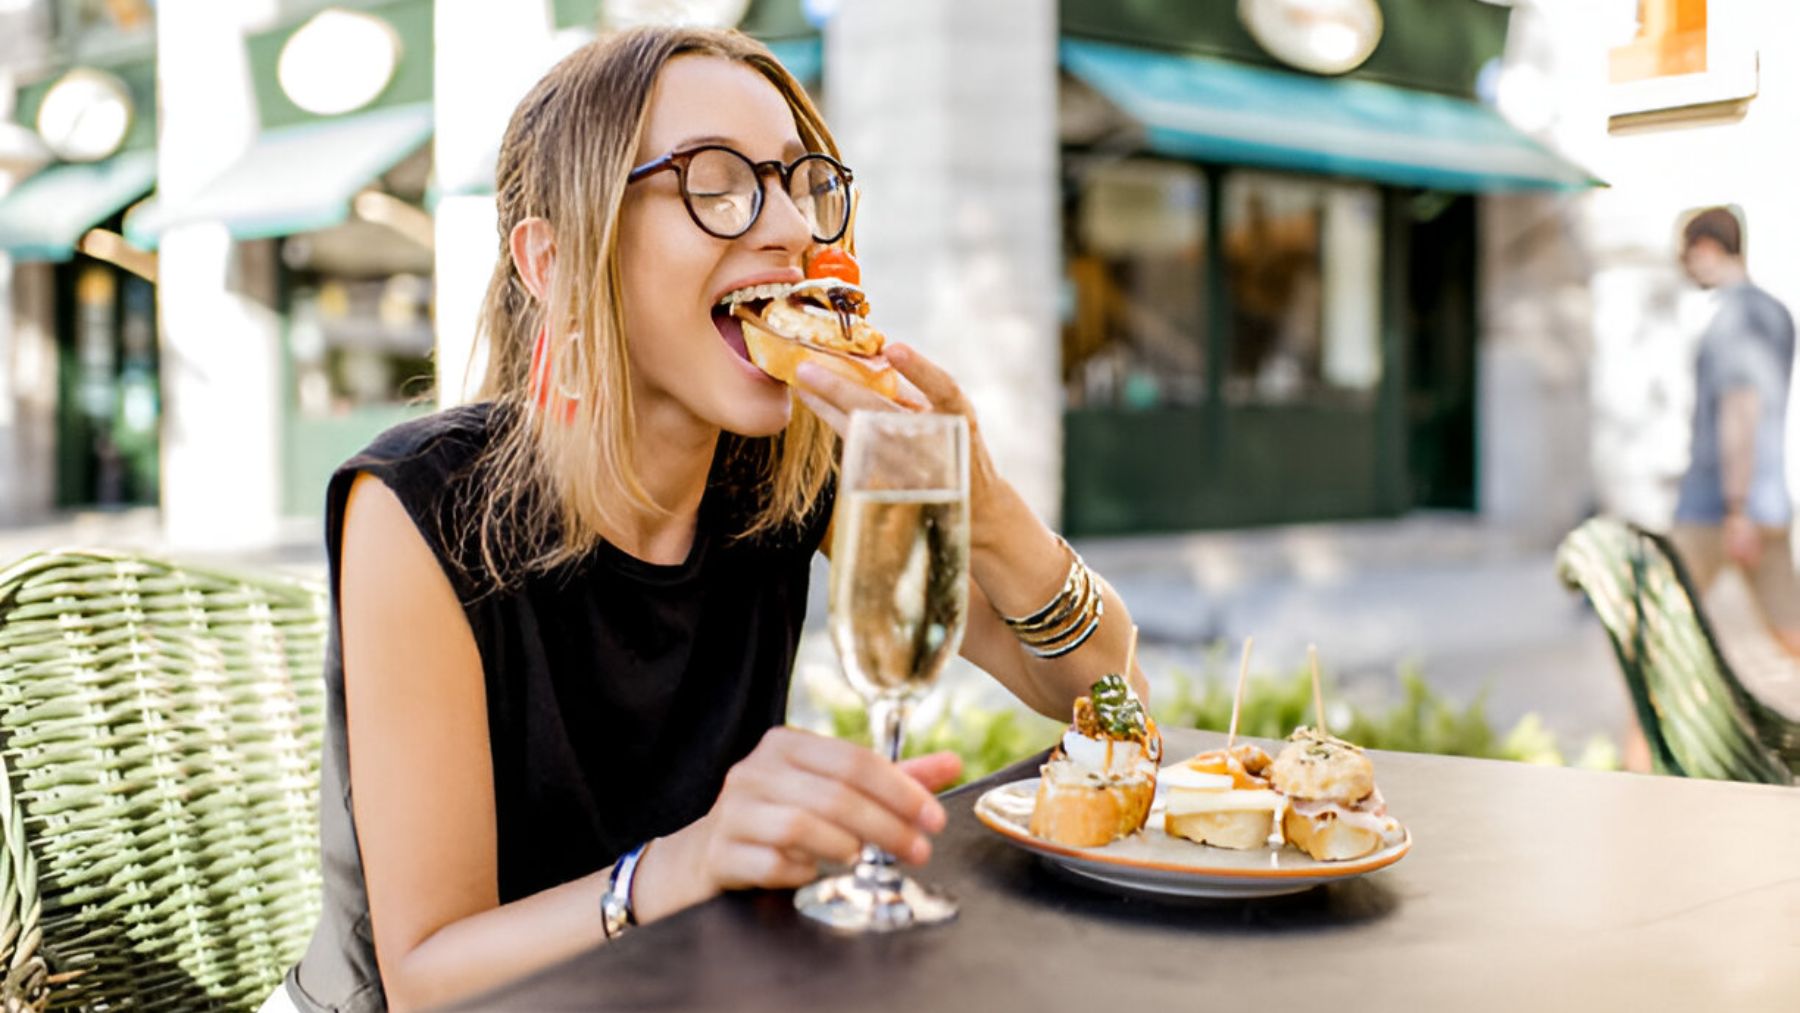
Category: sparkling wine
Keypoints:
(899, 586)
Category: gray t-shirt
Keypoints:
(1749, 343)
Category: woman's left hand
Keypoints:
(924, 387)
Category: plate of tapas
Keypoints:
(1226, 823)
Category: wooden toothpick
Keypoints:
(1312, 658)
(1237, 702)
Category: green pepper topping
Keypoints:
(1118, 709)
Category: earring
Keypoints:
(542, 376)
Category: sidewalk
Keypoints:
(299, 549)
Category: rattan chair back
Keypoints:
(160, 731)
(1698, 718)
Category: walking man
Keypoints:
(1734, 508)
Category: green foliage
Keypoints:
(1421, 721)
(987, 740)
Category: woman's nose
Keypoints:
(781, 223)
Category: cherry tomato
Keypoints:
(832, 262)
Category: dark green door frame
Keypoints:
(1392, 484)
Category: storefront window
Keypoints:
(359, 343)
(1303, 263)
(1134, 333)
(110, 409)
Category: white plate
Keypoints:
(1151, 861)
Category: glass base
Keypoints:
(855, 903)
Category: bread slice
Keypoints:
(1086, 813)
(781, 358)
(1327, 838)
(1240, 830)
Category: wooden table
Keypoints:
(1527, 888)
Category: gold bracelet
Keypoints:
(1062, 596)
(1067, 620)
(1068, 606)
(1073, 637)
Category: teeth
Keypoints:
(771, 290)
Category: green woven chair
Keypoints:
(1699, 719)
(160, 734)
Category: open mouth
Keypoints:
(732, 330)
(755, 298)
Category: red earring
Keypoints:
(540, 386)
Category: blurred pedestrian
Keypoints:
(1734, 508)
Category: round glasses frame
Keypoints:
(677, 162)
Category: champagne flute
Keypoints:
(898, 600)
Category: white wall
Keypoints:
(27, 391)
(488, 56)
(947, 112)
(221, 355)
(1532, 417)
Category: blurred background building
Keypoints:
(1204, 267)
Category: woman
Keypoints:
(566, 616)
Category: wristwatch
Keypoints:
(616, 912)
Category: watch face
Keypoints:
(85, 115)
(1321, 36)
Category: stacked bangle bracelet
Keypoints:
(1067, 620)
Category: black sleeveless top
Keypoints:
(619, 692)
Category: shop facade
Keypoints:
(1272, 288)
(79, 388)
(1189, 284)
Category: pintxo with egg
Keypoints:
(1222, 797)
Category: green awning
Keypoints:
(803, 57)
(1222, 111)
(296, 178)
(44, 217)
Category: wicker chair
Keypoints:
(160, 733)
(1699, 719)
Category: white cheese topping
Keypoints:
(1183, 802)
(1066, 773)
(1183, 777)
(1092, 754)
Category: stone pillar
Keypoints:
(27, 391)
(947, 112)
(221, 353)
(488, 56)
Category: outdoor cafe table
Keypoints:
(1526, 888)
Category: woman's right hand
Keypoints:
(797, 800)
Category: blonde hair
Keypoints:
(549, 482)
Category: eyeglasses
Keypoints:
(723, 189)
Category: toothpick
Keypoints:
(1131, 655)
(1312, 657)
(1237, 703)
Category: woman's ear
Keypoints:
(533, 248)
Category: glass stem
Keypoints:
(887, 722)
